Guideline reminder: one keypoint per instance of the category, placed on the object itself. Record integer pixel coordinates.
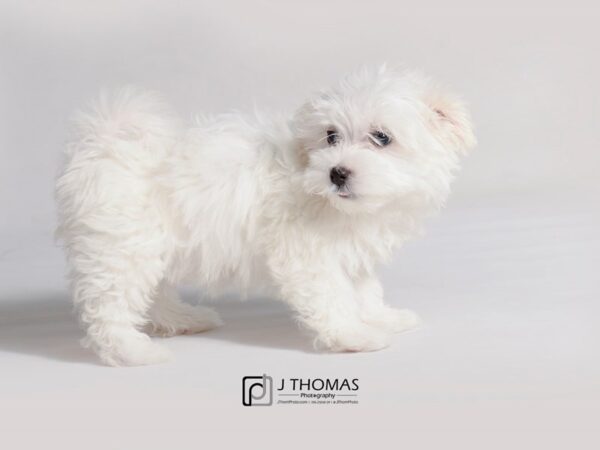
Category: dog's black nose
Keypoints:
(339, 175)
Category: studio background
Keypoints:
(506, 278)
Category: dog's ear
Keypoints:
(449, 119)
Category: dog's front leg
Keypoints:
(324, 298)
(374, 311)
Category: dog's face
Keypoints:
(381, 138)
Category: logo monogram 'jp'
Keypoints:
(257, 391)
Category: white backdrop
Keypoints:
(507, 275)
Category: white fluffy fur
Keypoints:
(146, 203)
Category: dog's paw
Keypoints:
(186, 319)
(137, 351)
(393, 320)
(355, 337)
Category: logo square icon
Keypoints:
(257, 391)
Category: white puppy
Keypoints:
(304, 207)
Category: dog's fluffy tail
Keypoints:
(115, 121)
(114, 146)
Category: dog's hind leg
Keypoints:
(170, 316)
(112, 221)
(112, 292)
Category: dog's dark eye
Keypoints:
(332, 137)
(380, 138)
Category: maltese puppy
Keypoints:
(302, 208)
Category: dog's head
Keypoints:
(380, 138)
